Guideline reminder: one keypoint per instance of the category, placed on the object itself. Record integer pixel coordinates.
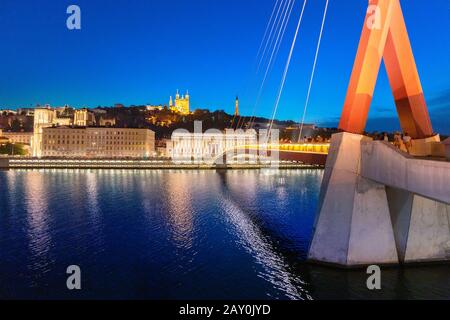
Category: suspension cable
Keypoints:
(286, 69)
(312, 73)
(281, 31)
(272, 22)
(273, 32)
(267, 29)
(277, 49)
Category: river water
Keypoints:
(241, 234)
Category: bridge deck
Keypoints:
(311, 154)
(383, 163)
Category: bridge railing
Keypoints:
(322, 148)
(306, 147)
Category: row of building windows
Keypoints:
(115, 148)
(82, 142)
(107, 133)
(103, 137)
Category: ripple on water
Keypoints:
(176, 234)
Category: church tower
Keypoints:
(236, 107)
(182, 104)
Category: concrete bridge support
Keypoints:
(353, 226)
(363, 221)
(421, 227)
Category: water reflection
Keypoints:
(275, 269)
(179, 196)
(92, 193)
(11, 190)
(92, 182)
(178, 234)
(410, 282)
(40, 240)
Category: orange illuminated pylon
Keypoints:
(385, 36)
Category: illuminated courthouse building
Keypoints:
(93, 142)
(212, 143)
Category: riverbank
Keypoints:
(31, 163)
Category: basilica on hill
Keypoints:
(182, 103)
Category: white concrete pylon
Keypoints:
(353, 227)
(380, 206)
(421, 227)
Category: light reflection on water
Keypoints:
(274, 268)
(177, 234)
(39, 242)
(180, 212)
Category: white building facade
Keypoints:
(215, 146)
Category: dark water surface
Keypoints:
(177, 235)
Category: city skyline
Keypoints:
(136, 54)
(193, 152)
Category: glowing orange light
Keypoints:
(388, 39)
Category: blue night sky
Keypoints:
(141, 51)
